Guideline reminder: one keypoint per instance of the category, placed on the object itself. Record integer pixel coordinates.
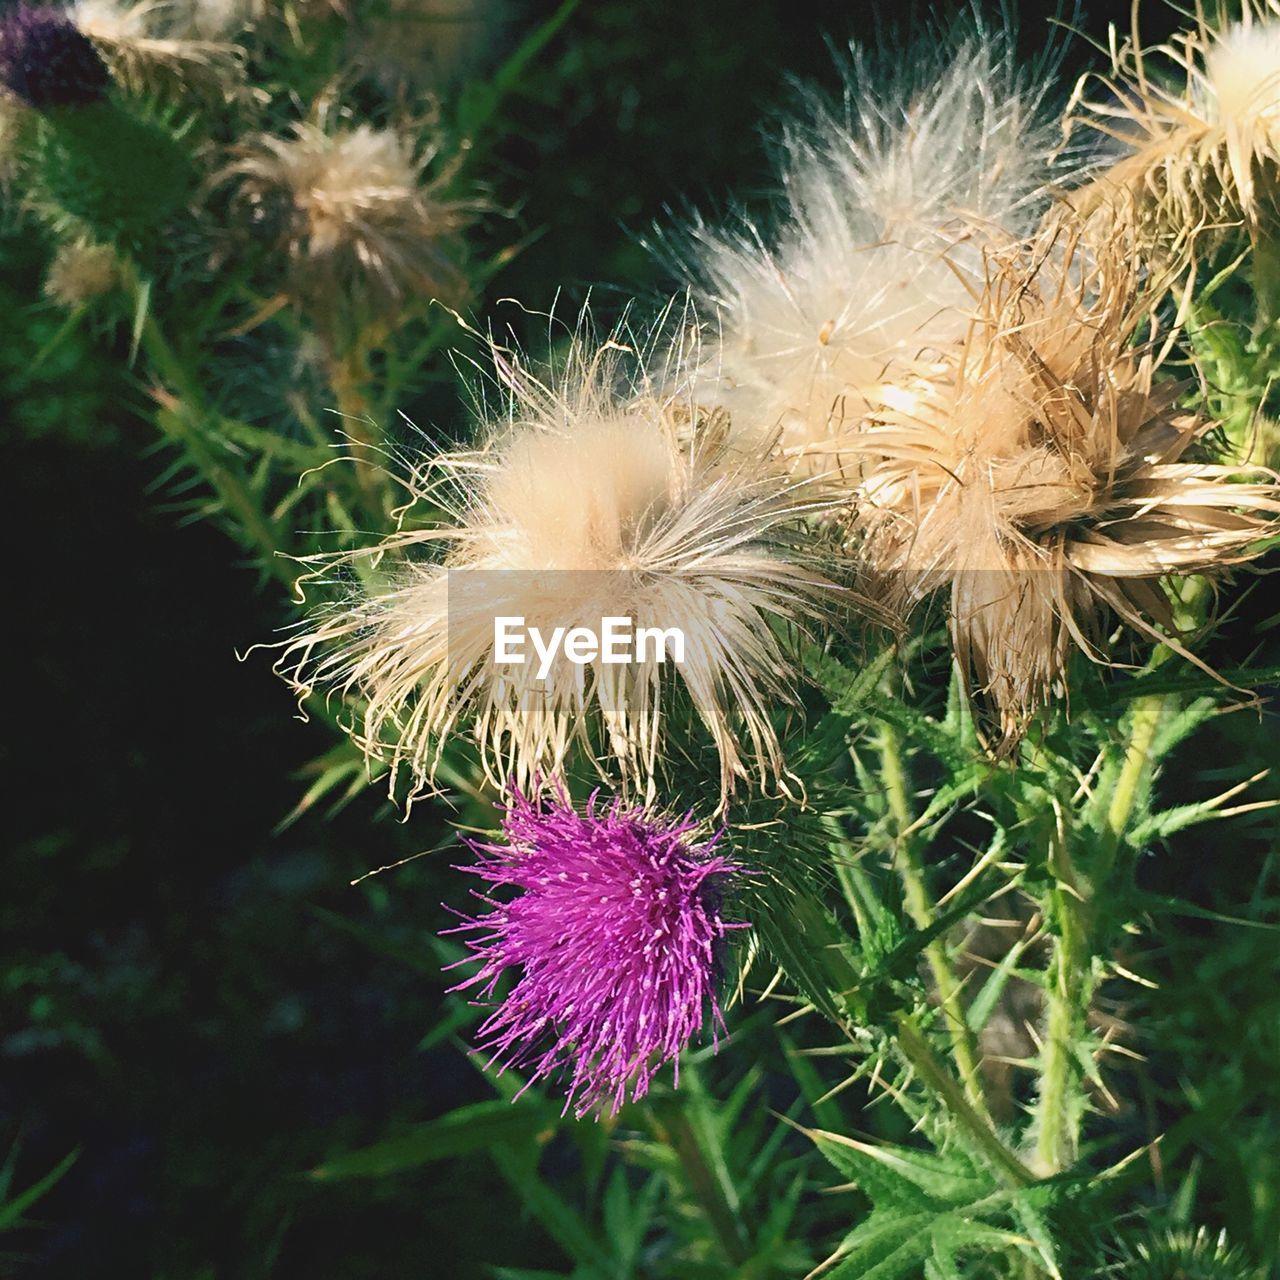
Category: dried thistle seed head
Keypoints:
(586, 501)
(1194, 125)
(1044, 480)
(888, 206)
(47, 61)
(148, 52)
(353, 207)
(81, 272)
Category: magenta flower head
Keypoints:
(47, 61)
(614, 930)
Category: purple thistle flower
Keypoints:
(614, 931)
(47, 61)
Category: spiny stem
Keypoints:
(1070, 990)
(918, 1052)
(842, 978)
(1068, 997)
(1134, 774)
(186, 424)
(348, 377)
(922, 909)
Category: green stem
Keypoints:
(918, 1052)
(842, 978)
(679, 1135)
(1134, 775)
(1068, 997)
(186, 425)
(922, 909)
(1070, 991)
(349, 379)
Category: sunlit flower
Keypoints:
(355, 210)
(889, 206)
(597, 496)
(144, 43)
(1043, 478)
(81, 272)
(46, 61)
(1194, 123)
(611, 927)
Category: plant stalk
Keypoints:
(922, 909)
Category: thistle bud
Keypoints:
(47, 62)
(117, 177)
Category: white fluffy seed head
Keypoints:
(353, 206)
(1242, 73)
(1195, 127)
(152, 48)
(889, 203)
(597, 494)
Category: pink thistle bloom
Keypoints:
(614, 931)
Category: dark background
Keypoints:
(195, 1001)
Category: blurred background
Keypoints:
(194, 1000)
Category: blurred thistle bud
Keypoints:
(92, 169)
(105, 174)
(47, 61)
(81, 272)
(350, 204)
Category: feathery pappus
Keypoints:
(1043, 478)
(353, 206)
(1193, 124)
(888, 205)
(596, 494)
(151, 50)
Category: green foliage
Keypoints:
(1040, 987)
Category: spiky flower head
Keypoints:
(599, 496)
(1043, 479)
(1194, 124)
(612, 927)
(888, 206)
(150, 51)
(354, 209)
(47, 61)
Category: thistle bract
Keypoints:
(613, 930)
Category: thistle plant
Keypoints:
(948, 471)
